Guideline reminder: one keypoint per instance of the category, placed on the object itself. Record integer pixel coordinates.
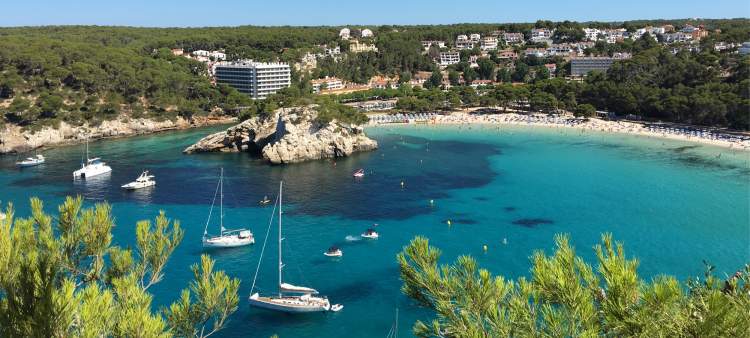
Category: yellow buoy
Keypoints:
(449, 222)
(484, 247)
(402, 184)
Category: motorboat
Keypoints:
(226, 238)
(359, 173)
(333, 252)
(336, 307)
(290, 298)
(265, 201)
(31, 161)
(370, 234)
(143, 181)
(92, 167)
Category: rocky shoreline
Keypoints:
(288, 135)
(13, 139)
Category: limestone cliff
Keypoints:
(14, 139)
(289, 135)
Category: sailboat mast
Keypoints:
(221, 203)
(281, 265)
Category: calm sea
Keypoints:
(673, 205)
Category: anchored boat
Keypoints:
(225, 238)
(31, 161)
(290, 298)
(92, 166)
(143, 181)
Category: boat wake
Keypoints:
(350, 238)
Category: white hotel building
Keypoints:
(256, 79)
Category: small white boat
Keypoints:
(370, 234)
(359, 173)
(333, 252)
(143, 181)
(92, 166)
(31, 161)
(336, 307)
(290, 298)
(225, 238)
(265, 201)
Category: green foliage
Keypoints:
(328, 110)
(567, 297)
(60, 276)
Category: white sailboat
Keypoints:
(92, 166)
(226, 238)
(31, 161)
(290, 298)
(143, 181)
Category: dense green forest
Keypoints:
(89, 73)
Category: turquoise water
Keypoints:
(673, 204)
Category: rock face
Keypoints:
(289, 135)
(13, 139)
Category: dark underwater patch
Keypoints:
(532, 222)
(481, 198)
(509, 209)
(461, 221)
(684, 148)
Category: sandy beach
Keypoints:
(690, 134)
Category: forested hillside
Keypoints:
(88, 74)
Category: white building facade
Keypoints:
(256, 79)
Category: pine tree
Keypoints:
(60, 276)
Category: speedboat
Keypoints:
(359, 173)
(31, 161)
(225, 238)
(333, 252)
(370, 234)
(265, 201)
(92, 166)
(143, 181)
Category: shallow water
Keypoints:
(672, 203)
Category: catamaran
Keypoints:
(226, 238)
(31, 161)
(143, 181)
(92, 166)
(290, 298)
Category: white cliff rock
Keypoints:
(14, 139)
(290, 135)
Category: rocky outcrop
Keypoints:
(289, 135)
(14, 139)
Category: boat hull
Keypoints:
(275, 304)
(28, 164)
(89, 171)
(233, 243)
(134, 185)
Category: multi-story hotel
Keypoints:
(582, 66)
(256, 79)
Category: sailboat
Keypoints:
(31, 161)
(290, 298)
(226, 238)
(92, 166)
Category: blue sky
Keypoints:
(169, 13)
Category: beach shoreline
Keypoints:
(557, 122)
